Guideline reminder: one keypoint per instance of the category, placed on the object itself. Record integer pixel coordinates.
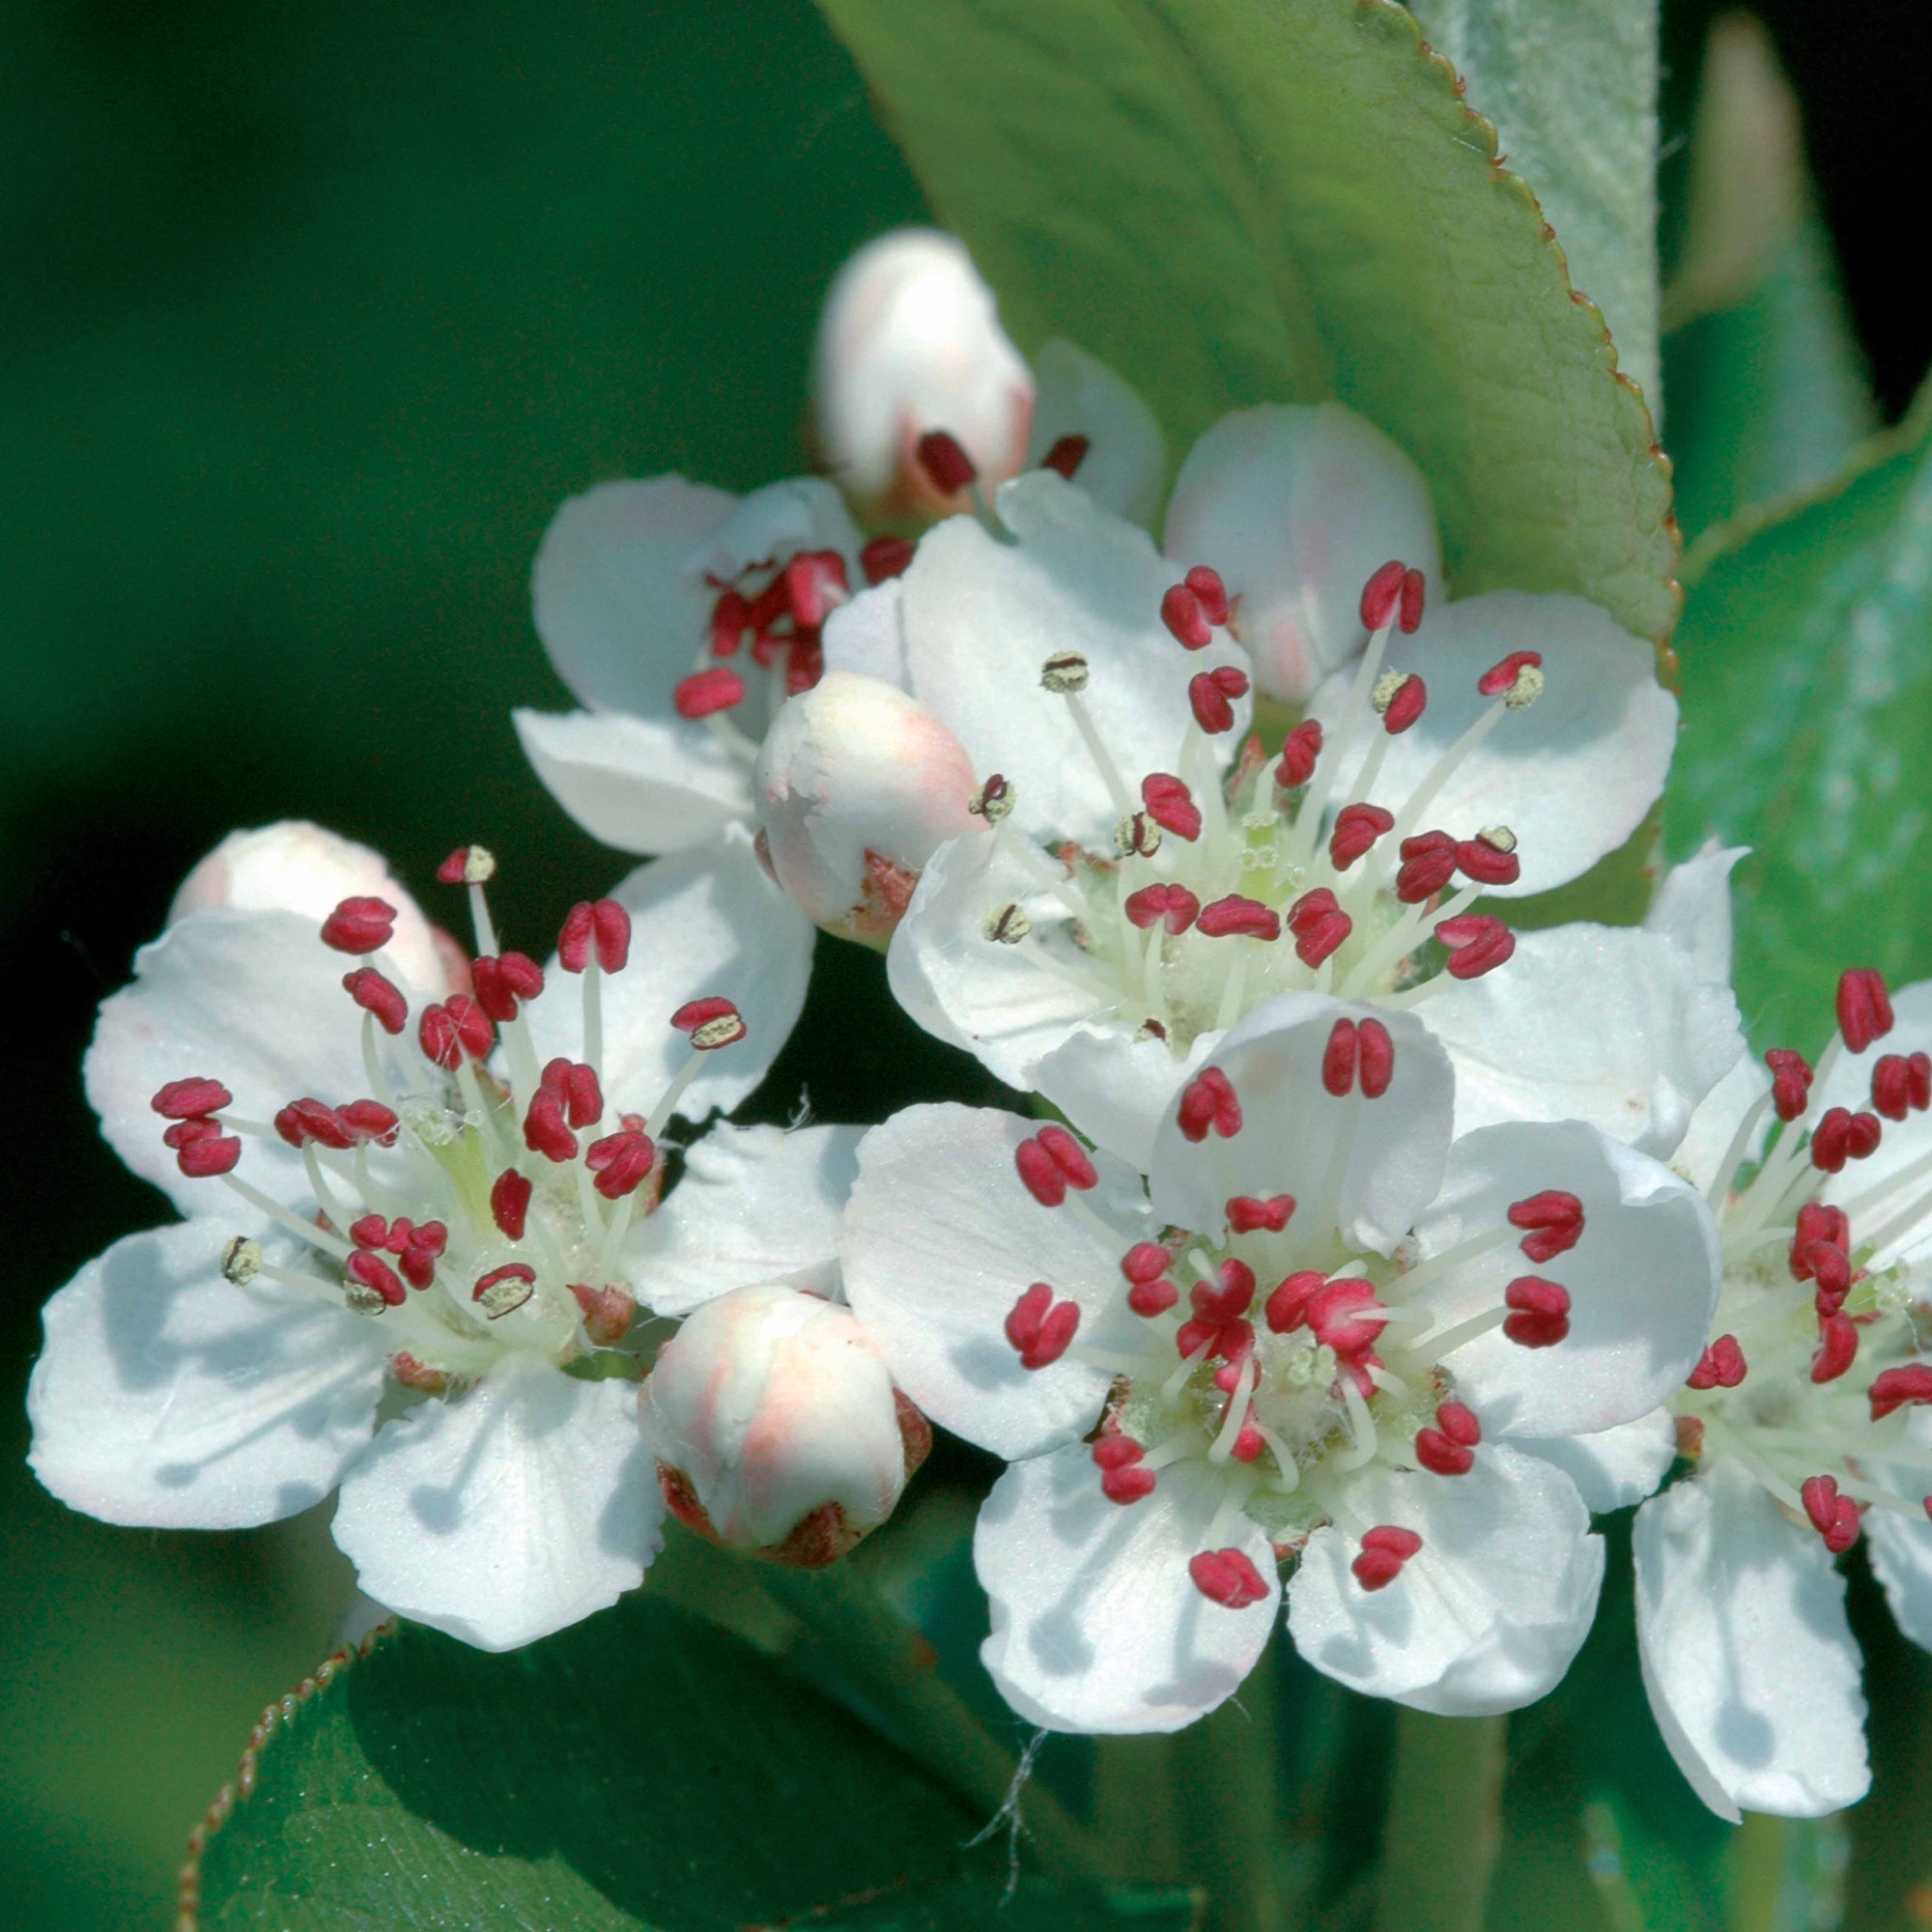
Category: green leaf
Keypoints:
(1241, 201)
(1807, 649)
(641, 1770)
(1571, 87)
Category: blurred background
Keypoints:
(315, 312)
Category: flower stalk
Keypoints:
(1445, 1823)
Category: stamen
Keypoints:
(1170, 906)
(1181, 612)
(1067, 454)
(1248, 1214)
(1208, 1100)
(1210, 693)
(1385, 1548)
(1477, 944)
(502, 981)
(1402, 704)
(993, 801)
(360, 925)
(1040, 1328)
(1298, 755)
(1556, 1219)
(1833, 1517)
(1051, 1162)
(1894, 1388)
(1542, 1311)
(1721, 1366)
(1123, 1477)
(1865, 1008)
(504, 1290)
(712, 1022)
(192, 1099)
(1320, 925)
(945, 461)
(378, 997)
(510, 1203)
(455, 1030)
(1228, 1577)
(1357, 827)
(1236, 916)
(1170, 805)
(371, 1271)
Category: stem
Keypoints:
(1226, 1765)
(1445, 1823)
(1757, 1873)
(891, 1661)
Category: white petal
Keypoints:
(1748, 1660)
(1572, 776)
(1615, 1467)
(868, 635)
(1606, 1024)
(755, 1204)
(621, 619)
(643, 785)
(706, 922)
(1901, 1545)
(1298, 506)
(1714, 1126)
(1692, 907)
(507, 1513)
(1849, 1085)
(252, 999)
(1126, 459)
(772, 526)
(1643, 1279)
(1002, 1004)
(1097, 1627)
(1485, 1617)
(167, 1397)
(1114, 1086)
(982, 616)
(295, 866)
(941, 1238)
(1295, 1131)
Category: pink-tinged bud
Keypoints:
(1299, 509)
(776, 1426)
(298, 868)
(857, 784)
(910, 343)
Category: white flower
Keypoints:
(1805, 1419)
(776, 1427)
(385, 1211)
(1167, 880)
(1320, 1328)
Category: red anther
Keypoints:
(431, 1237)
(1237, 918)
(1827, 1263)
(307, 1119)
(1833, 1517)
(1488, 865)
(1385, 1548)
(369, 1121)
(1721, 1366)
(369, 1231)
(945, 461)
(1357, 827)
(1145, 1261)
(1832, 1141)
(1338, 1058)
(816, 585)
(886, 557)
(504, 1290)
(1320, 925)
(1375, 1059)
(1817, 1222)
(454, 1030)
(1206, 585)
(1440, 1455)
(207, 1154)
(1863, 1136)
(1039, 1327)
(1222, 1303)
(1299, 755)
(1458, 1421)
(419, 1266)
(191, 1099)
(1170, 805)
(452, 871)
(1069, 1156)
(1790, 1082)
(1542, 1316)
(611, 934)
(501, 983)
(1067, 454)
(359, 926)
(1114, 1450)
(1345, 1315)
(1555, 1220)
(1152, 1298)
(575, 1087)
(1409, 702)
(510, 1203)
(1414, 591)
(1429, 863)
(182, 1133)
(1287, 1306)
(763, 611)
(1212, 694)
(1918, 1088)
(1228, 1577)
(1128, 1484)
(711, 1022)
(1892, 1085)
(621, 1162)
(1181, 612)
(1838, 1348)
(1247, 1212)
(1865, 1008)
(1208, 1100)
(730, 618)
(1894, 1388)
(1477, 944)
(1381, 595)
(716, 689)
(372, 1271)
(1501, 676)
(1167, 904)
(546, 1130)
(805, 666)
(1051, 1162)
(1249, 1442)
(377, 995)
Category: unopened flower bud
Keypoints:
(910, 342)
(857, 784)
(776, 1426)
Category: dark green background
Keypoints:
(313, 312)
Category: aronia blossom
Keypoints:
(1322, 1329)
